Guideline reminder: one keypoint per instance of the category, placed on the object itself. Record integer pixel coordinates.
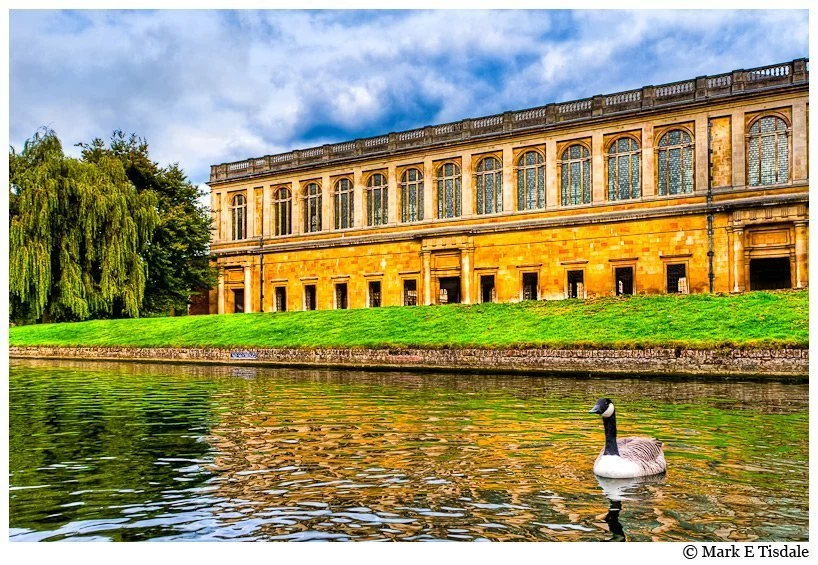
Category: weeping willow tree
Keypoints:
(77, 231)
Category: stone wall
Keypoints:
(668, 362)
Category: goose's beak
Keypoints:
(595, 410)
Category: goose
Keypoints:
(627, 457)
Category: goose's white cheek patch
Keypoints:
(607, 413)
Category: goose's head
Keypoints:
(603, 407)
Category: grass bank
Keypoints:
(751, 320)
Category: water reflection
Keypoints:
(632, 489)
(146, 451)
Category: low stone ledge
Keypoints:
(654, 361)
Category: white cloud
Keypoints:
(208, 87)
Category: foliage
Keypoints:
(178, 255)
(755, 319)
(77, 231)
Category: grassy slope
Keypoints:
(697, 321)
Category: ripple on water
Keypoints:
(135, 452)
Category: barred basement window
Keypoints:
(374, 294)
(309, 297)
(448, 191)
(410, 292)
(312, 208)
(676, 279)
(576, 175)
(341, 296)
(768, 152)
(530, 181)
(281, 299)
(238, 211)
(675, 155)
(623, 169)
(488, 178)
(530, 286)
(377, 210)
(411, 196)
(283, 209)
(344, 206)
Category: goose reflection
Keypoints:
(617, 490)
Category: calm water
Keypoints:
(106, 451)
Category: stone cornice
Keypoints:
(784, 77)
(519, 225)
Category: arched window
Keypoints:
(283, 210)
(768, 152)
(376, 201)
(312, 208)
(488, 178)
(411, 196)
(530, 181)
(576, 175)
(448, 191)
(238, 211)
(675, 156)
(623, 169)
(343, 204)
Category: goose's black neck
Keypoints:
(610, 435)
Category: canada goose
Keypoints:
(629, 456)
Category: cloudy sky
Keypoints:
(205, 87)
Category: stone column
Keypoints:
(248, 289)
(426, 268)
(597, 168)
(393, 192)
(266, 211)
(429, 211)
(298, 206)
(466, 256)
(738, 142)
(221, 293)
(467, 207)
(801, 254)
(226, 227)
(358, 200)
(251, 213)
(799, 134)
(552, 184)
(700, 151)
(648, 173)
(215, 215)
(509, 186)
(738, 259)
(327, 204)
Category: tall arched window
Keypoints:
(448, 191)
(376, 200)
(488, 179)
(768, 152)
(530, 181)
(576, 175)
(312, 208)
(238, 212)
(343, 204)
(675, 156)
(283, 210)
(411, 196)
(623, 169)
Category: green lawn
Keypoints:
(756, 319)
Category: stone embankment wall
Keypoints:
(724, 362)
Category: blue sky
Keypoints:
(205, 87)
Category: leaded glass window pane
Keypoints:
(376, 200)
(768, 152)
(312, 208)
(489, 182)
(343, 204)
(448, 191)
(411, 196)
(530, 181)
(675, 159)
(623, 169)
(239, 217)
(283, 211)
(576, 175)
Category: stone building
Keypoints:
(692, 186)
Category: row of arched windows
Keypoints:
(767, 163)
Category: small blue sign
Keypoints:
(243, 355)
